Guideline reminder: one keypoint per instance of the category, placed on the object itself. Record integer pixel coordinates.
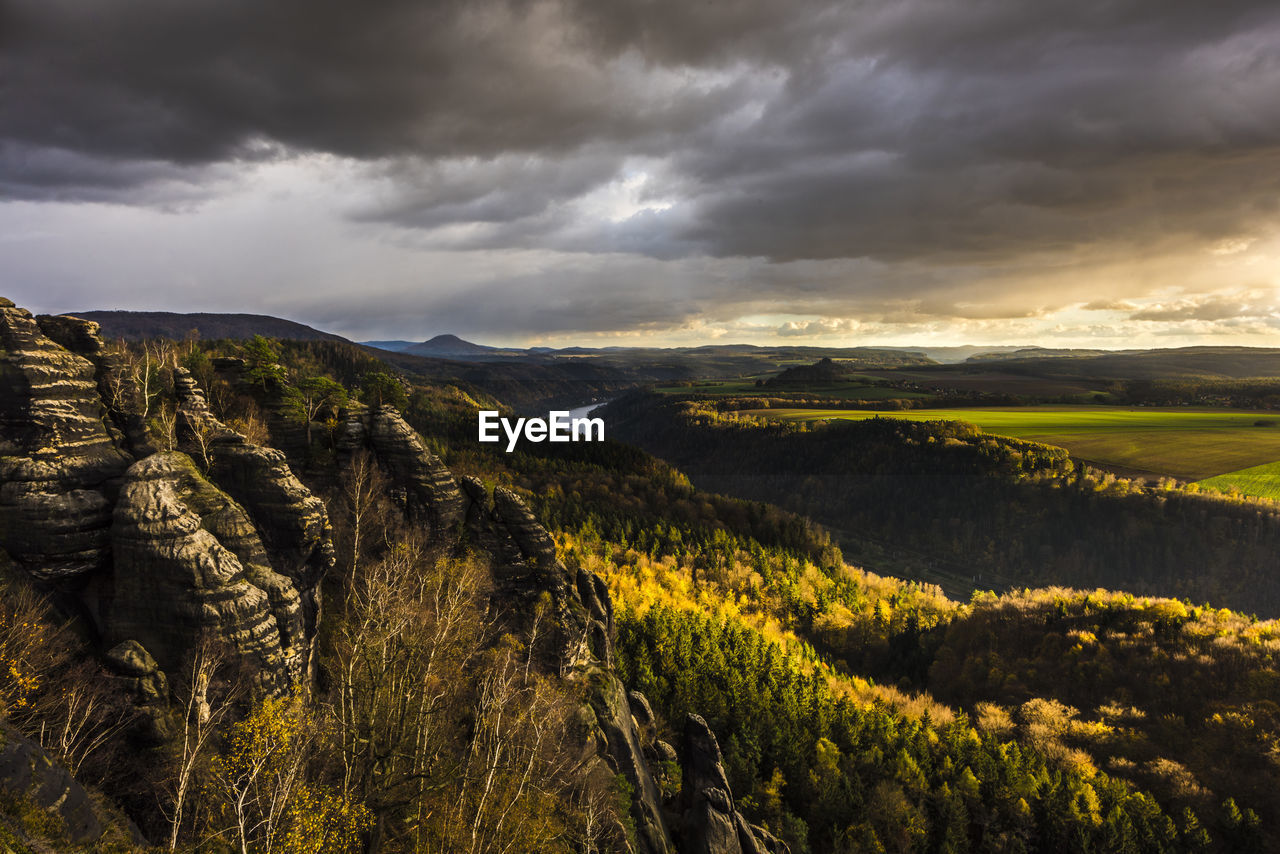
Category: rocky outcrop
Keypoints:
(421, 485)
(622, 750)
(28, 773)
(290, 522)
(131, 660)
(431, 495)
(115, 384)
(190, 567)
(58, 454)
(710, 822)
(526, 567)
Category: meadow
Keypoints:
(1186, 443)
(1263, 480)
(748, 387)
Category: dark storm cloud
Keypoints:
(203, 81)
(932, 130)
(53, 174)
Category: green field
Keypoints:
(1263, 480)
(1190, 444)
(745, 387)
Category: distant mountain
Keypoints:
(825, 371)
(1175, 363)
(389, 346)
(135, 325)
(453, 347)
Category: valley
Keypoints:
(907, 628)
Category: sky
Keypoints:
(1062, 173)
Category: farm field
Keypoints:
(1189, 444)
(740, 387)
(1263, 480)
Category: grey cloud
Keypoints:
(881, 159)
(821, 326)
(506, 188)
(206, 81)
(51, 174)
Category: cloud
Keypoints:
(545, 167)
(1232, 308)
(1109, 305)
(819, 326)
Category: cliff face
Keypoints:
(291, 522)
(158, 552)
(190, 566)
(424, 488)
(527, 569)
(710, 821)
(57, 455)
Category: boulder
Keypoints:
(640, 708)
(27, 772)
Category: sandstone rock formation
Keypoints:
(160, 554)
(423, 487)
(190, 567)
(431, 494)
(115, 385)
(57, 455)
(710, 822)
(291, 522)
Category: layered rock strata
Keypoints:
(422, 485)
(191, 568)
(290, 522)
(160, 554)
(57, 455)
(116, 386)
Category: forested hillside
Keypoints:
(1002, 511)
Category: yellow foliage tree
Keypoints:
(262, 795)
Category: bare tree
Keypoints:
(263, 772)
(203, 705)
(362, 487)
(82, 717)
(411, 626)
(316, 395)
(202, 432)
(166, 421)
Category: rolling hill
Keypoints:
(136, 325)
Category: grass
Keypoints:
(748, 388)
(1263, 480)
(1189, 444)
